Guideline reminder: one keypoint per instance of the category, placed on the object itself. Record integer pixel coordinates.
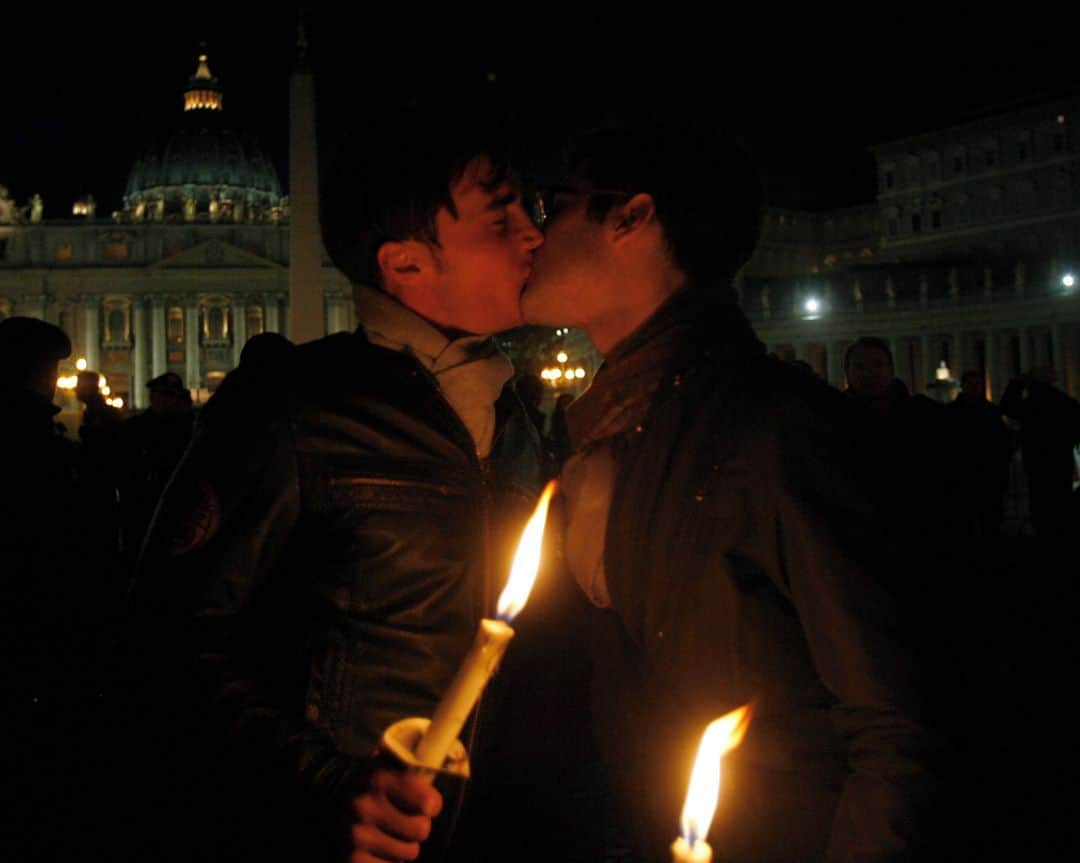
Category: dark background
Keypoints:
(86, 89)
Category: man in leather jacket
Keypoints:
(345, 517)
(743, 555)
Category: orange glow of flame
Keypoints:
(720, 737)
(526, 561)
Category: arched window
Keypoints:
(117, 322)
(216, 323)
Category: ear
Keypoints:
(399, 263)
(633, 216)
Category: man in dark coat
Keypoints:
(149, 447)
(55, 571)
(984, 450)
(742, 556)
(1049, 430)
(343, 519)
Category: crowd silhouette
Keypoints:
(994, 488)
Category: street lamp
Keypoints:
(1068, 280)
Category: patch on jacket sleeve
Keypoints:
(196, 519)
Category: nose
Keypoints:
(531, 236)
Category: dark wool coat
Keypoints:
(748, 557)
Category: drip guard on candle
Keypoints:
(402, 738)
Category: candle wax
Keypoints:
(681, 852)
(480, 663)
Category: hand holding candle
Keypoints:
(720, 737)
(490, 644)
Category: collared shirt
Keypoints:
(471, 371)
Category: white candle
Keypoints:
(683, 852)
(480, 663)
(489, 645)
(720, 737)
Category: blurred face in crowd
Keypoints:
(472, 279)
(869, 372)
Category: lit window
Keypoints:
(64, 252)
(216, 324)
(255, 322)
(176, 324)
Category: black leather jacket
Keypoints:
(328, 546)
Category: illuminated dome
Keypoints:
(204, 171)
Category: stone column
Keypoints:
(158, 349)
(1025, 350)
(138, 394)
(992, 387)
(92, 332)
(272, 319)
(337, 315)
(928, 365)
(191, 344)
(239, 326)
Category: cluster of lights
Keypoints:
(70, 382)
(1068, 280)
(556, 375)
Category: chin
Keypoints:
(533, 307)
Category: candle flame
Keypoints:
(526, 560)
(720, 737)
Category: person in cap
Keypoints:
(54, 559)
(151, 445)
(99, 420)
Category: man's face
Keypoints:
(571, 282)
(869, 372)
(483, 257)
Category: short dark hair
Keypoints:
(707, 193)
(391, 176)
(868, 342)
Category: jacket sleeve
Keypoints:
(214, 552)
(835, 557)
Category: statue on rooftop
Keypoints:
(7, 208)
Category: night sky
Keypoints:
(85, 90)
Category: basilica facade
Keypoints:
(195, 263)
